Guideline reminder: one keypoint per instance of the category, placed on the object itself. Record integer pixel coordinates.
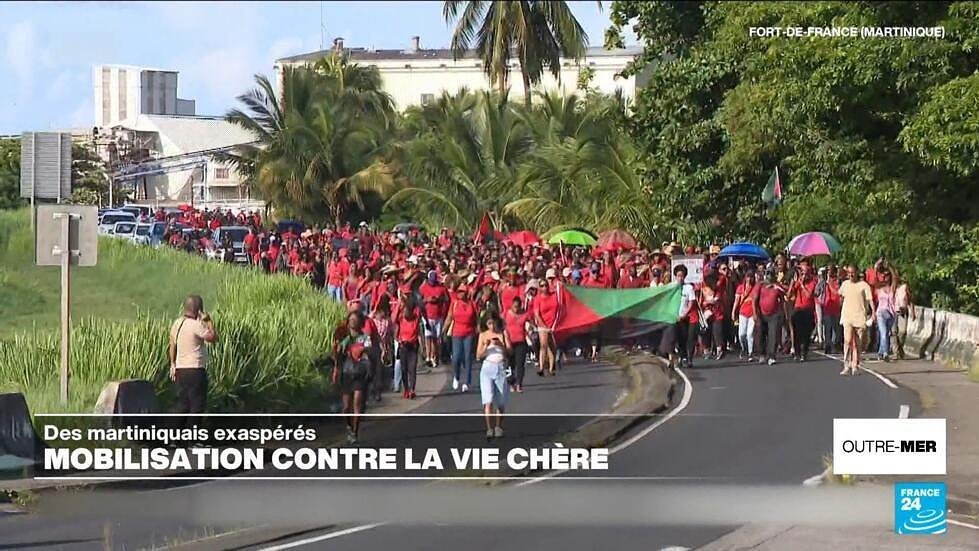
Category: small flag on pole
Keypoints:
(772, 195)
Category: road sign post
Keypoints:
(66, 235)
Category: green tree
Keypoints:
(581, 171)
(89, 180)
(462, 161)
(10, 174)
(874, 138)
(537, 32)
(322, 146)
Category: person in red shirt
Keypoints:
(435, 300)
(337, 271)
(770, 307)
(712, 307)
(515, 323)
(832, 308)
(802, 292)
(546, 316)
(744, 311)
(460, 325)
(510, 289)
(407, 335)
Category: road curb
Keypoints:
(650, 391)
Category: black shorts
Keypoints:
(350, 383)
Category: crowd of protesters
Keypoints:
(415, 298)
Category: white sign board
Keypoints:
(889, 446)
(694, 264)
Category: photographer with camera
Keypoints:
(189, 336)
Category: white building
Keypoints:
(416, 76)
(155, 142)
(123, 92)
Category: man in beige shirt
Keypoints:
(188, 355)
(857, 308)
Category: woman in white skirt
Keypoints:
(492, 348)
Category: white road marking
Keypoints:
(882, 378)
(818, 479)
(315, 539)
(904, 411)
(687, 393)
(962, 524)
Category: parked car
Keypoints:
(145, 211)
(237, 235)
(124, 230)
(150, 233)
(110, 218)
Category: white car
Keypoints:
(149, 233)
(110, 218)
(124, 230)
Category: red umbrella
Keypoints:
(616, 239)
(523, 238)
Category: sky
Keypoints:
(47, 50)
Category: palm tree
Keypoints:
(463, 161)
(323, 144)
(538, 32)
(582, 172)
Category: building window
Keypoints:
(427, 98)
(220, 174)
(122, 93)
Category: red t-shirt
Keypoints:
(408, 329)
(508, 293)
(434, 310)
(768, 299)
(832, 306)
(337, 271)
(463, 318)
(515, 325)
(747, 308)
(805, 301)
(546, 308)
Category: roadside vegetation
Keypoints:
(271, 328)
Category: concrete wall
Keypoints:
(947, 337)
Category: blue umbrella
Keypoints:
(744, 250)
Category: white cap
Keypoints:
(412, 259)
(495, 275)
(551, 272)
(471, 278)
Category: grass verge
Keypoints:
(270, 328)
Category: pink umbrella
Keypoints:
(814, 243)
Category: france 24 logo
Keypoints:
(919, 508)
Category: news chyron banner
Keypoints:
(313, 446)
(898, 447)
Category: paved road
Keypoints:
(744, 424)
(157, 518)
